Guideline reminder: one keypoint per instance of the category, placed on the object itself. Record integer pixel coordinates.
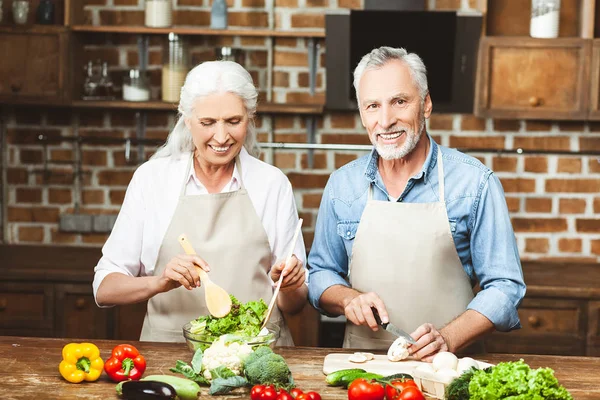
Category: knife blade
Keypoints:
(391, 328)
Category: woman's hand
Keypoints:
(293, 274)
(181, 271)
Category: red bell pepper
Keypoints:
(125, 363)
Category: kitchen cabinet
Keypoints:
(595, 82)
(36, 70)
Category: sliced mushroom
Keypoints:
(357, 358)
(369, 356)
(398, 350)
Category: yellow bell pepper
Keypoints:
(81, 361)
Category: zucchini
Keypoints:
(346, 380)
(334, 378)
(186, 389)
(398, 376)
(146, 390)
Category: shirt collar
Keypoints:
(371, 169)
(235, 177)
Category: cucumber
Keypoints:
(334, 378)
(346, 380)
(186, 389)
(397, 376)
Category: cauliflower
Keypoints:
(227, 354)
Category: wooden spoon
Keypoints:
(217, 299)
(287, 259)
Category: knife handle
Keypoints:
(378, 318)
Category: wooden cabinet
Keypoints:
(533, 78)
(26, 307)
(36, 68)
(595, 82)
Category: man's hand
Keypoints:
(429, 340)
(358, 310)
(293, 274)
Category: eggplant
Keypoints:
(146, 390)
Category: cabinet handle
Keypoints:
(16, 88)
(534, 101)
(534, 321)
(80, 303)
(3, 304)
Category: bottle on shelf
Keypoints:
(218, 15)
(158, 13)
(105, 86)
(45, 12)
(544, 18)
(175, 67)
(90, 85)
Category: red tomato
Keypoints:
(410, 393)
(314, 396)
(303, 396)
(256, 391)
(397, 386)
(361, 389)
(295, 392)
(283, 395)
(269, 393)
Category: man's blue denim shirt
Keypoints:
(478, 218)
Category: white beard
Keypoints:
(393, 152)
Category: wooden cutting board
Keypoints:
(379, 365)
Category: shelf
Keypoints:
(263, 108)
(193, 30)
(40, 29)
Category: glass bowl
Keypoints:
(203, 341)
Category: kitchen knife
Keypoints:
(391, 328)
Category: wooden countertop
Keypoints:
(29, 369)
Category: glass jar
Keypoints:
(136, 87)
(544, 18)
(45, 12)
(20, 10)
(175, 67)
(218, 15)
(158, 13)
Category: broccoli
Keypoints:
(267, 368)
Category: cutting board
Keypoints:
(378, 365)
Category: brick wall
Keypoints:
(554, 200)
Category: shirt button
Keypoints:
(348, 233)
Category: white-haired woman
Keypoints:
(237, 211)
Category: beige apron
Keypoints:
(226, 232)
(404, 252)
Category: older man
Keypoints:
(410, 228)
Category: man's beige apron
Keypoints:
(226, 232)
(404, 252)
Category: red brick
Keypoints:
(537, 245)
(286, 3)
(283, 122)
(595, 246)
(106, 134)
(258, 58)
(25, 116)
(30, 136)
(33, 214)
(116, 196)
(304, 20)
(61, 237)
(120, 17)
(477, 142)
(281, 79)
(571, 206)
(594, 165)
(284, 160)
(16, 176)
(305, 98)
(317, 3)
(569, 165)
(92, 197)
(62, 155)
(342, 159)
(539, 224)
(350, 138)
(308, 219)
(447, 5)
(536, 164)
(28, 156)
(29, 195)
(304, 82)
(588, 225)
(307, 181)
(571, 126)
(357, 4)
(290, 137)
(570, 245)
(91, 118)
(248, 19)
(191, 17)
(538, 126)
(308, 237)
(114, 178)
(513, 204)
(59, 196)
(573, 185)
(472, 123)
(597, 205)
(518, 185)
(94, 157)
(319, 161)
(56, 176)
(571, 260)
(311, 200)
(99, 238)
(538, 205)
(290, 59)
(31, 234)
(441, 122)
(505, 125)
(125, 2)
(589, 143)
(197, 3)
(108, 54)
(59, 116)
(542, 143)
(504, 164)
(342, 121)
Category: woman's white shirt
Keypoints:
(152, 196)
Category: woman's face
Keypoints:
(219, 124)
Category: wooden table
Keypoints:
(29, 369)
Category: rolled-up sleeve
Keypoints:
(122, 251)
(495, 258)
(328, 260)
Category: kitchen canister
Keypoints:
(218, 14)
(20, 11)
(158, 13)
(175, 67)
(544, 18)
(136, 87)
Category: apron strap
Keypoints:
(238, 165)
(440, 175)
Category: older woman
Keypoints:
(237, 211)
